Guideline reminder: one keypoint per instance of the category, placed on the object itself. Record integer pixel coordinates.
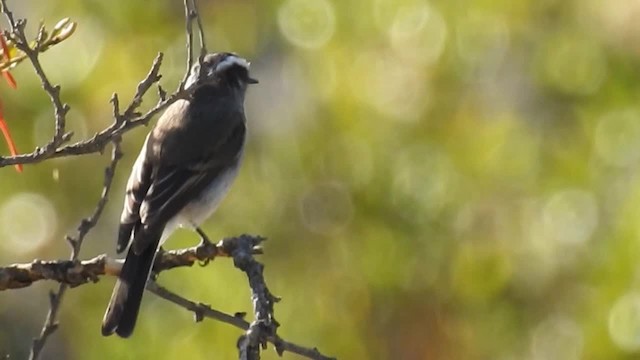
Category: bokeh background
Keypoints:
(438, 179)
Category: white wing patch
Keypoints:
(230, 61)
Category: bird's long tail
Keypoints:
(124, 305)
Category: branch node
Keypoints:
(279, 347)
(240, 314)
(198, 313)
(72, 242)
(67, 136)
(162, 94)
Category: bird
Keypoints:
(185, 168)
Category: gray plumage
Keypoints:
(183, 171)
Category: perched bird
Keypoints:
(183, 171)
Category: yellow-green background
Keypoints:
(438, 180)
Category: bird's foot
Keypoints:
(204, 241)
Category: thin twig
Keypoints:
(87, 224)
(143, 86)
(191, 14)
(264, 328)
(55, 298)
(61, 31)
(203, 43)
(188, 18)
(199, 310)
(202, 311)
(122, 124)
(18, 36)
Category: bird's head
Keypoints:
(220, 69)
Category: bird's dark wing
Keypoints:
(174, 186)
(140, 179)
(137, 187)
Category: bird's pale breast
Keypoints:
(205, 204)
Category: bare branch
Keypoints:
(122, 124)
(50, 324)
(265, 324)
(152, 77)
(18, 36)
(191, 14)
(75, 273)
(72, 273)
(188, 18)
(112, 134)
(201, 311)
(88, 223)
(203, 43)
(45, 40)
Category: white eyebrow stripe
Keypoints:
(230, 61)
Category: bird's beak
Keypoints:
(252, 81)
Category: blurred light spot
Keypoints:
(418, 33)
(266, 196)
(326, 208)
(557, 338)
(289, 105)
(322, 72)
(555, 231)
(573, 64)
(619, 20)
(536, 253)
(488, 219)
(55, 174)
(27, 221)
(349, 158)
(570, 216)
(307, 23)
(500, 147)
(181, 340)
(385, 261)
(391, 87)
(35, 10)
(426, 175)
(617, 137)
(73, 61)
(480, 272)
(237, 21)
(482, 38)
(624, 322)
